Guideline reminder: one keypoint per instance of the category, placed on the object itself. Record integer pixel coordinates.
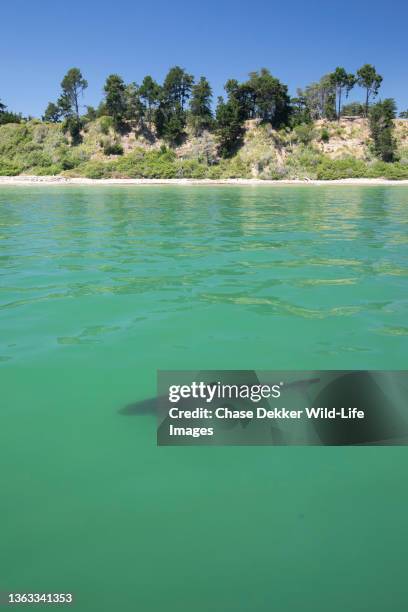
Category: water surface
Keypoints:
(100, 287)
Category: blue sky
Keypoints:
(297, 40)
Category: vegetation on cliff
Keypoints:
(170, 130)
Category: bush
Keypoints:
(236, 168)
(304, 133)
(8, 117)
(51, 170)
(94, 170)
(112, 148)
(147, 164)
(393, 172)
(73, 126)
(37, 158)
(191, 168)
(324, 135)
(105, 123)
(8, 168)
(354, 109)
(13, 137)
(332, 169)
(302, 163)
(69, 158)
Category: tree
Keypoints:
(355, 109)
(64, 105)
(170, 122)
(271, 102)
(177, 86)
(149, 92)
(52, 113)
(73, 126)
(159, 120)
(73, 85)
(200, 106)
(135, 109)
(91, 113)
(403, 114)
(174, 125)
(115, 99)
(382, 117)
(300, 112)
(320, 98)
(261, 97)
(7, 116)
(370, 80)
(170, 116)
(229, 125)
(244, 96)
(342, 81)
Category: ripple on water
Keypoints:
(176, 264)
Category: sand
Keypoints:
(61, 180)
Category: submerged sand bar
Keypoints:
(62, 180)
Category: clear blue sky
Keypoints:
(298, 40)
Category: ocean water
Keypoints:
(100, 287)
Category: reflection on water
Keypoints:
(282, 254)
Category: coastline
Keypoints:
(61, 180)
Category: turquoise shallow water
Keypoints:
(99, 287)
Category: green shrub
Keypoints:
(214, 172)
(51, 170)
(112, 148)
(105, 123)
(302, 163)
(8, 168)
(191, 168)
(146, 164)
(13, 137)
(393, 172)
(324, 135)
(73, 126)
(37, 158)
(69, 158)
(8, 117)
(304, 133)
(94, 170)
(235, 167)
(332, 169)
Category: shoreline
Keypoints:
(61, 180)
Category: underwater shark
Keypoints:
(149, 406)
(384, 423)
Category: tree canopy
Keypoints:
(320, 98)
(369, 79)
(115, 99)
(181, 105)
(382, 117)
(201, 117)
(73, 86)
(8, 117)
(342, 82)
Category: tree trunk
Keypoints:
(76, 103)
(338, 115)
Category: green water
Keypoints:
(99, 287)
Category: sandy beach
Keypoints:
(61, 180)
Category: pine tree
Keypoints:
(200, 106)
